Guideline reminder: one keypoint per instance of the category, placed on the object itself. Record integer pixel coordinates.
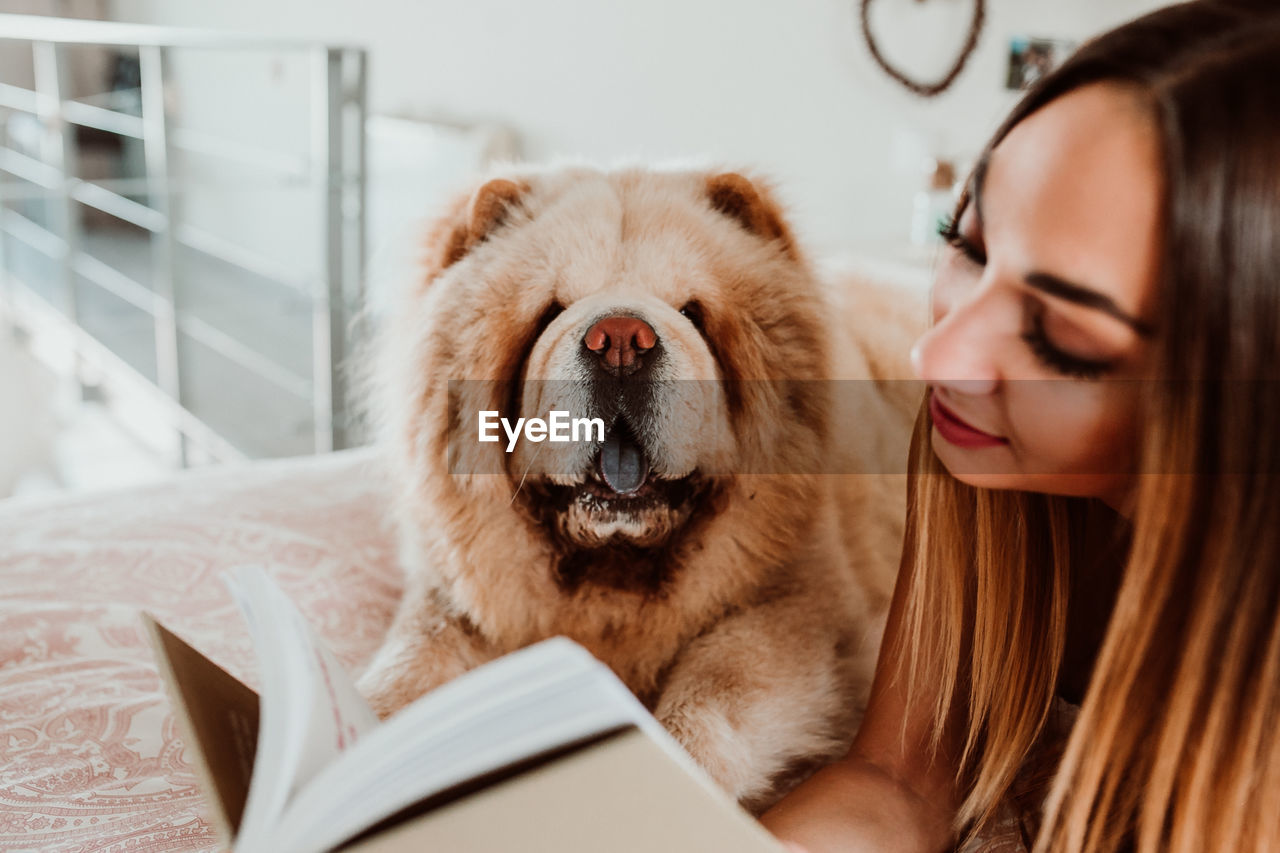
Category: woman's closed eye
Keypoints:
(1056, 359)
(949, 230)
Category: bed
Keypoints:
(89, 756)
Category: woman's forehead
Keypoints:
(1075, 190)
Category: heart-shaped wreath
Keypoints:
(926, 90)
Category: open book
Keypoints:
(541, 750)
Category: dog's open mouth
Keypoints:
(621, 463)
(621, 478)
(621, 497)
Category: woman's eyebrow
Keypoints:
(1052, 284)
(1081, 295)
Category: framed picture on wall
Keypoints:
(1032, 58)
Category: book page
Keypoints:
(310, 710)
(218, 718)
(526, 703)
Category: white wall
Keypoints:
(786, 86)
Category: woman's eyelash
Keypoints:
(1056, 359)
(949, 230)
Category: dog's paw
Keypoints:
(384, 695)
(717, 747)
(413, 662)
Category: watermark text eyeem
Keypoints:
(558, 427)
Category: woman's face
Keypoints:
(1042, 302)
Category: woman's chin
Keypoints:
(999, 468)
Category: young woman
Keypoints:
(1094, 505)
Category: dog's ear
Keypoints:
(473, 218)
(752, 206)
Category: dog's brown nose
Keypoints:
(620, 341)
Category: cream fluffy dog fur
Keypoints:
(720, 550)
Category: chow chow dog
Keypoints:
(717, 542)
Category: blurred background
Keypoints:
(197, 198)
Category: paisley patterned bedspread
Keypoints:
(89, 756)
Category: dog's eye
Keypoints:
(552, 311)
(692, 311)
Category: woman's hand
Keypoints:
(853, 806)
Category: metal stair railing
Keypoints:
(333, 168)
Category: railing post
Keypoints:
(6, 287)
(354, 207)
(328, 299)
(155, 143)
(58, 149)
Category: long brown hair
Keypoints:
(1177, 744)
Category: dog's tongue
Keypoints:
(622, 463)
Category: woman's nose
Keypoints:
(958, 351)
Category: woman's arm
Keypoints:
(887, 794)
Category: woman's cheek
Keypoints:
(1064, 427)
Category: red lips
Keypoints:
(956, 431)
